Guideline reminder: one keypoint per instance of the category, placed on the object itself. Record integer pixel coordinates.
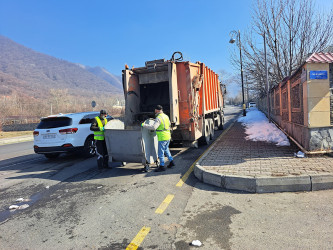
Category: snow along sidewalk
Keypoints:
(253, 155)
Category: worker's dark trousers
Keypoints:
(102, 154)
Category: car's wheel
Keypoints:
(89, 149)
(51, 155)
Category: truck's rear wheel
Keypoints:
(211, 127)
(205, 139)
(221, 121)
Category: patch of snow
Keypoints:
(13, 207)
(196, 243)
(300, 154)
(81, 65)
(258, 128)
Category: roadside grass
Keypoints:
(14, 134)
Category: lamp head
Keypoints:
(232, 40)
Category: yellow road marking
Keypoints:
(138, 239)
(187, 174)
(164, 204)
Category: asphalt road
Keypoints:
(11, 151)
(72, 205)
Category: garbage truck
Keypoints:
(190, 93)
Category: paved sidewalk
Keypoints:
(259, 167)
(17, 139)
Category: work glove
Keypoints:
(142, 124)
(101, 129)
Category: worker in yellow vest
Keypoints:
(97, 126)
(162, 127)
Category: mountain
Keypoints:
(105, 75)
(30, 73)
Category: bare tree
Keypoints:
(293, 30)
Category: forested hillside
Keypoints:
(35, 84)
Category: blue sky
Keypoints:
(111, 34)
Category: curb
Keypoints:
(321, 182)
(264, 184)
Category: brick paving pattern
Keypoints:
(232, 155)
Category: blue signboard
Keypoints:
(318, 74)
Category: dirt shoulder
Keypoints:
(14, 134)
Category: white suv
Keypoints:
(65, 133)
(252, 105)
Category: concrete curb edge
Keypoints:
(265, 184)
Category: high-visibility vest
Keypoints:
(99, 135)
(163, 131)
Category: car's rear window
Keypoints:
(89, 120)
(54, 122)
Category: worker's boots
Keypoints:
(100, 163)
(160, 169)
(171, 164)
(106, 161)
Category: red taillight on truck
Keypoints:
(68, 131)
(35, 133)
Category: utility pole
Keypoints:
(247, 91)
(239, 44)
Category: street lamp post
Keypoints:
(247, 90)
(267, 83)
(239, 44)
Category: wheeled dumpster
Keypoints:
(128, 145)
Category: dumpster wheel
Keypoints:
(146, 168)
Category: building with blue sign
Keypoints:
(318, 74)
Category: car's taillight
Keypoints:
(35, 133)
(68, 131)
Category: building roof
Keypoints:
(320, 58)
